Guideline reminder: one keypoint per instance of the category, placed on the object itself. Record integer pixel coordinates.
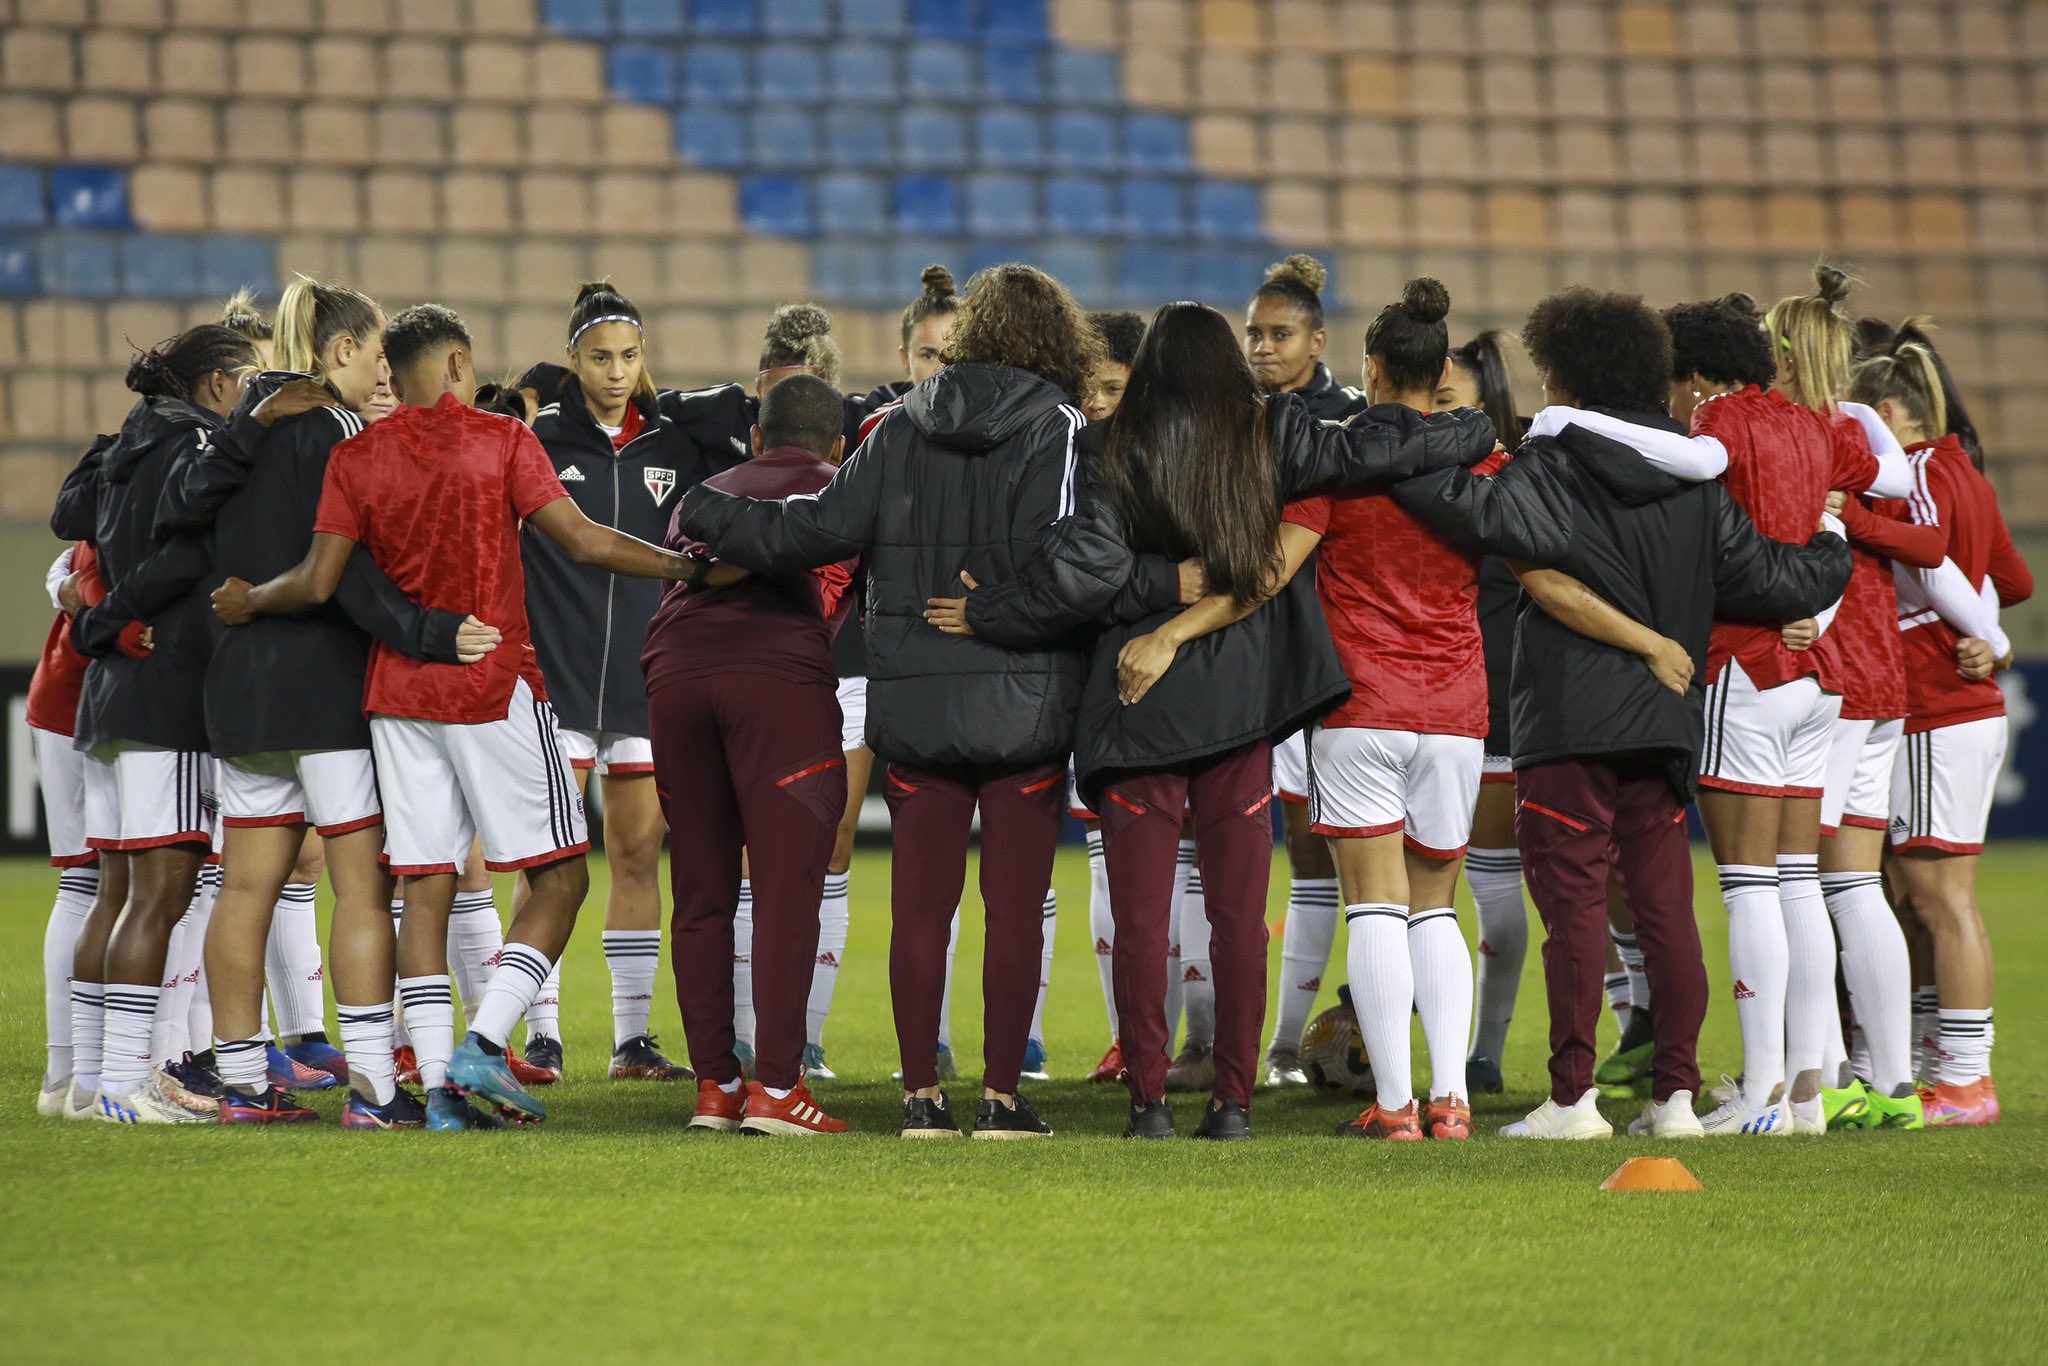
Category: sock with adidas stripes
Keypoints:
(1630, 952)
(544, 1013)
(1305, 943)
(167, 1032)
(1966, 1039)
(743, 966)
(1382, 977)
(475, 936)
(515, 984)
(1811, 1011)
(366, 1039)
(401, 1037)
(835, 917)
(76, 888)
(291, 960)
(88, 1033)
(199, 1005)
(1197, 972)
(1758, 962)
(633, 956)
(1926, 1032)
(1052, 920)
(243, 1064)
(1102, 924)
(1879, 971)
(131, 1012)
(1495, 876)
(1442, 977)
(430, 1011)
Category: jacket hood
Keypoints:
(1618, 466)
(975, 407)
(148, 424)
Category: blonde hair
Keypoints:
(1818, 336)
(240, 314)
(801, 334)
(311, 316)
(1909, 377)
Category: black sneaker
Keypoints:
(1226, 1122)
(1151, 1121)
(196, 1077)
(927, 1118)
(993, 1119)
(638, 1059)
(543, 1055)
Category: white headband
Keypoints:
(607, 318)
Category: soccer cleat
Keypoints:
(1150, 1121)
(926, 1117)
(995, 1120)
(1809, 1116)
(196, 1077)
(948, 1069)
(1396, 1126)
(50, 1100)
(744, 1052)
(146, 1104)
(1735, 1116)
(287, 1073)
(1449, 1117)
(405, 1064)
(448, 1112)
(542, 1065)
(1958, 1107)
(1225, 1122)
(1669, 1119)
(1631, 1056)
(1483, 1076)
(718, 1110)
(319, 1055)
(1727, 1089)
(1580, 1120)
(271, 1107)
(1111, 1068)
(638, 1059)
(1990, 1099)
(1283, 1069)
(1034, 1061)
(486, 1074)
(1193, 1070)
(793, 1114)
(81, 1104)
(178, 1094)
(1846, 1108)
(404, 1111)
(815, 1066)
(1902, 1111)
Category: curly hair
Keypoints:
(1019, 316)
(1604, 350)
(1300, 280)
(1121, 332)
(1721, 340)
(801, 335)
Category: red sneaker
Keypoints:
(407, 1064)
(530, 1073)
(1450, 1117)
(1398, 1126)
(795, 1113)
(1111, 1068)
(718, 1111)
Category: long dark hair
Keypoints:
(1485, 359)
(173, 369)
(1188, 461)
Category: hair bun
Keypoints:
(1299, 269)
(1834, 283)
(792, 327)
(1741, 302)
(594, 288)
(1426, 300)
(937, 282)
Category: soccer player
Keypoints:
(436, 493)
(748, 756)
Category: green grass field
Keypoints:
(611, 1234)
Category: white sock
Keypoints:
(1197, 972)
(131, 1010)
(521, 973)
(1305, 943)
(1383, 993)
(1183, 873)
(634, 956)
(1495, 876)
(242, 1064)
(1630, 953)
(743, 966)
(475, 936)
(544, 1007)
(430, 1007)
(1615, 984)
(366, 1039)
(167, 1038)
(291, 960)
(1966, 1038)
(1102, 924)
(88, 1033)
(1860, 1061)
(1052, 920)
(199, 1005)
(1811, 1011)
(76, 888)
(401, 1037)
(1758, 961)
(1879, 972)
(1926, 1032)
(946, 997)
(835, 916)
(1442, 969)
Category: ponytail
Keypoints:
(1910, 377)
(240, 314)
(1818, 335)
(598, 303)
(1486, 357)
(940, 298)
(174, 368)
(1919, 331)
(311, 317)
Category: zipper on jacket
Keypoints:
(611, 588)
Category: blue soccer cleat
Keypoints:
(289, 1074)
(319, 1055)
(1034, 1061)
(403, 1111)
(448, 1112)
(478, 1071)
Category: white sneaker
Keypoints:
(81, 1104)
(1729, 1089)
(1673, 1119)
(146, 1105)
(1551, 1120)
(1773, 1120)
(50, 1100)
(1808, 1116)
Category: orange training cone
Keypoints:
(1652, 1174)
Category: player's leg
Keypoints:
(88, 985)
(1309, 930)
(1653, 865)
(60, 772)
(930, 815)
(835, 911)
(1102, 933)
(1140, 843)
(1443, 785)
(475, 934)
(292, 966)
(633, 830)
(1034, 1044)
(1020, 831)
(743, 972)
(1813, 1018)
(1232, 798)
(1493, 869)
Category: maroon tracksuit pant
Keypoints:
(931, 815)
(1575, 819)
(747, 761)
(1141, 822)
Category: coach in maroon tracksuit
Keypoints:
(744, 715)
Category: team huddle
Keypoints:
(333, 606)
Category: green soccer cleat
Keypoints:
(1893, 1112)
(1625, 1073)
(1847, 1108)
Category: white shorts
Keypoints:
(142, 797)
(1290, 769)
(60, 771)
(1364, 783)
(1859, 782)
(1497, 768)
(1772, 743)
(1942, 784)
(507, 782)
(610, 752)
(332, 790)
(853, 713)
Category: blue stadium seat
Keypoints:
(159, 266)
(21, 265)
(1228, 211)
(863, 71)
(228, 262)
(856, 272)
(88, 197)
(945, 18)
(783, 139)
(796, 19)
(939, 71)
(1156, 143)
(1083, 267)
(1016, 21)
(1079, 204)
(931, 139)
(862, 139)
(998, 204)
(82, 264)
(637, 71)
(715, 138)
(1150, 274)
(927, 204)
(792, 72)
(779, 204)
(1083, 141)
(852, 204)
(1152, 209)
(1080, 76)
(872, 19)
(577, 18)
(716, 73)
(726, 18)
(22, 204)
(1013, 73)
(648, 18)
(1008, 139)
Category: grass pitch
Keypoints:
(609, 1234)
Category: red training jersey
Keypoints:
(60, 674)
(437, 495)
(1865, 635)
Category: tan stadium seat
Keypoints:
(349, 68)
(2008, 223)
(324, 201)
(1797, 221)
(2019, 354)
(1512, 282)
(1512, 26)
(1230, 82)
(1783, 30)
(472, 269)
(269, 66)
(101, 129)
(1938, 223)
(477, 201)
(1226, 145)
(1440, 86)
(1156, 79)
(1792, 156)
(1086, 23)
(1299, 81)
(703, 204)
(486, 135)
(1299, 211)
(1438, 29)
(1517, 153)
(1585, 154)
(772, 271)
(263, 132)
(401, 201)
(542, 269)
(1372, 215)
(1646, 31)
(1849, 32)
(31, 128)
(1931, 156)
(1724, 156)
(146, 15)
(1788, 90)
(1445, 149)
(553, 202)
(393, 267)
(1517, 219)
(116, 62)
(1863, 156)
(2033, 38)
(416, 70)
(440, 21)
(1916, 33)
(1232, 26)
(1587, 220)
(1306, 26)
(319, 254)
(1951, 291)
(1167, 24)
(224, 16)
(1579, 29)
(636, 136)
(1580, 89)
(1992, 94)
(506, 18)
(181, 130)
(248, 199)
(1298, 148)
(631, 203)
(141, 322)
(1373, 148)
(1721, 92)
(492, 70)
(69, 333)
(1655, 154)
(1374, 85)
(699, 268)
(1650, 90)
(1870, 222)
(1858, 92)
(169, 198)
(2001, 158)
(2015, 289)
(1511, 90)
(558, 136)
(1445, 217)
(1716, 30)
(37, 59)
(1663, 277)
(1728, 221)
(568, 71)
(193, 64)
(532, 332)
(409, 135)
(332, 134)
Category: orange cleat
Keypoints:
(717, 1110)
(407, 1065)
(529, 1073)
(1450, 1117)
(1960, 1106)
(795, 1113)
(1396, 1126)
(1990, 1100)
(1111, 1068)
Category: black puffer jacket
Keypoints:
(1325, 398)
(967, 475)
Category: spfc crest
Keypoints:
(660, 483)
